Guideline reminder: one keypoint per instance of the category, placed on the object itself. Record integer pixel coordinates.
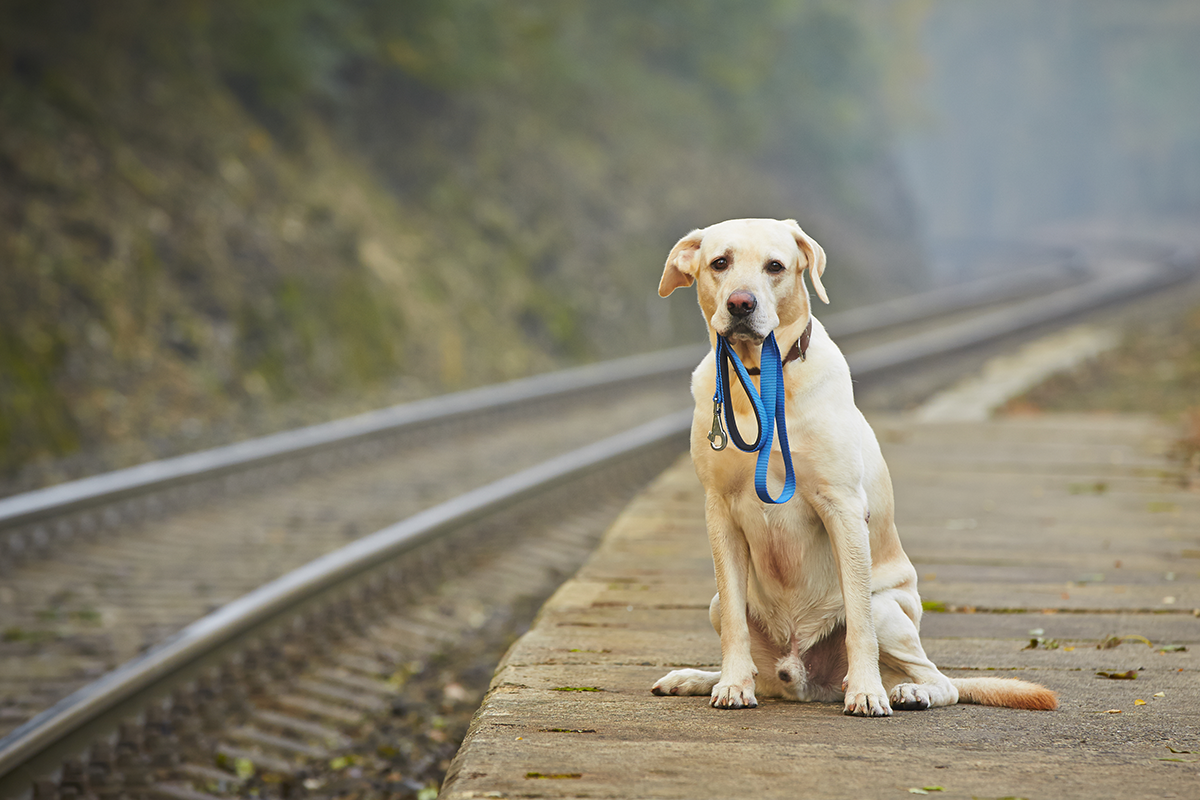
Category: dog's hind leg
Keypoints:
(693, 681)
(686, 682)
(915, 682)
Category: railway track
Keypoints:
(345, 635)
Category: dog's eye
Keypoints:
(774, 267)
(719, 263)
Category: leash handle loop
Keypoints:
(725, 355)
(769, 413)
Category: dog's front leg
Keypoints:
(731, 558)
(844, 518)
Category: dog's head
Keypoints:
(748, 275)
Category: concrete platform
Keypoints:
(1071, 529)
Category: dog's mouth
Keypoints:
(742, 331)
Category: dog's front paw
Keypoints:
(871, 703)
(734, 695)
(909, 697)
(686, 682)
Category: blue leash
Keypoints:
(768, 411)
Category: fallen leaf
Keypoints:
(1113, 711)
(1160, 694)
(1131, 675)
(244, 768)
(1139, 702)
(1172, 648)
(1110, 642)
(1047, 644)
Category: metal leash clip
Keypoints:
(718, 431)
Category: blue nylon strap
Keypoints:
(768, 409)
(726, 354)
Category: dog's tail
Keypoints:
(1006, 692)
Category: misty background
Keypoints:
(1037, 118)
(219, 219)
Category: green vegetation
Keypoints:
(208, 206)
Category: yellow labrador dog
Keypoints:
(816, 599)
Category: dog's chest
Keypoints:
(789, 548)
(792, 586)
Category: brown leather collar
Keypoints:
(799, 349)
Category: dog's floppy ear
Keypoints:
(815, 254)
(680, 269)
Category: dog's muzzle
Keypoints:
(740, 306)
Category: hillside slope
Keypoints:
(210, 207)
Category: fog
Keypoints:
(1031, 118)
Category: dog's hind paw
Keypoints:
(909, 697)
(733, 695)
(686, 682)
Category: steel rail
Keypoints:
(1031, 314)
(1013, 285)
(29, 745)
(111, 487)
(87, 494)
(286, 593)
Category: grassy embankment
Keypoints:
(222, 218)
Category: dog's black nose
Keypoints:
(740, 304)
